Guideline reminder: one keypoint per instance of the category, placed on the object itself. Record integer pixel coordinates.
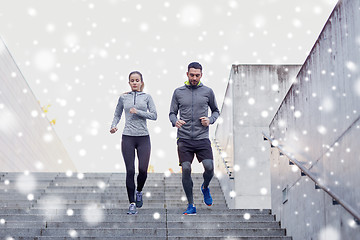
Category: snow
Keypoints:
(190, 15)
(167, 173)
(7, 119)
(251, 101)
(25, 183)
(322, 129)
(297, 114)
(156, 215)
(93, 214)
(44, 60)
(263, 191)
(247, 216)
(329, 233)
(32, 12)
(73, 233)
(70, 212)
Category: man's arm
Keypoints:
(214, 108)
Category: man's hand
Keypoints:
(179, 123)
(205, 121)
(133, 110)
(113, 130)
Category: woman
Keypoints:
(138, 107)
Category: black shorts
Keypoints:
(187, 148)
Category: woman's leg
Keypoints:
(128, 152)
(143, 153)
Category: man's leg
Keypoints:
(186, 156)
(208, 171)
(187, 181)
(205, 155)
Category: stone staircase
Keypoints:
(94, 206)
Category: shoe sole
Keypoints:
(131, 213)
(189, 214)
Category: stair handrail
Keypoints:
(218, 148)
(335, 197)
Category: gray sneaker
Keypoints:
(139, 199)
(132, 209)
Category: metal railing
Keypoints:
(318, 184)
(227, 167)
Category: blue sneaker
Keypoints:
(191, 210)
(207, 197)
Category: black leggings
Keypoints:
(143, 147)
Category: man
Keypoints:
(193, 101)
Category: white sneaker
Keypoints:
(132, 209)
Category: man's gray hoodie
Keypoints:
(135, 124)
(193, 102)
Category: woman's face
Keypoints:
(135, 82)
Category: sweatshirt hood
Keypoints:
(188, 84)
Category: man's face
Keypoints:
(194, 76)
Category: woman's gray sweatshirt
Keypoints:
(135, 123)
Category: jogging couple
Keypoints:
(191, 102)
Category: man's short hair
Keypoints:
(195, 65)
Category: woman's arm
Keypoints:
(117, 115)
(151, 114)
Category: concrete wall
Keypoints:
(318, 122)
(27, 139)
(225, 146)
(253, 95)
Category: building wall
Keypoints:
(253, 95)
(27, 139)
(318, 123)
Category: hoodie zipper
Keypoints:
(192, 113)
(134, 98)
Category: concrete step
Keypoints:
(160, 217)
(156, 238)
(112, 211)
(113, 190)
(143, 224)
(118, 206)
(226, 232)
(230, 237)
(92, 198)
(142, 232)
(59, 214)
(107, 232)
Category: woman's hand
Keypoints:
(133, 110)
(113, 130)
